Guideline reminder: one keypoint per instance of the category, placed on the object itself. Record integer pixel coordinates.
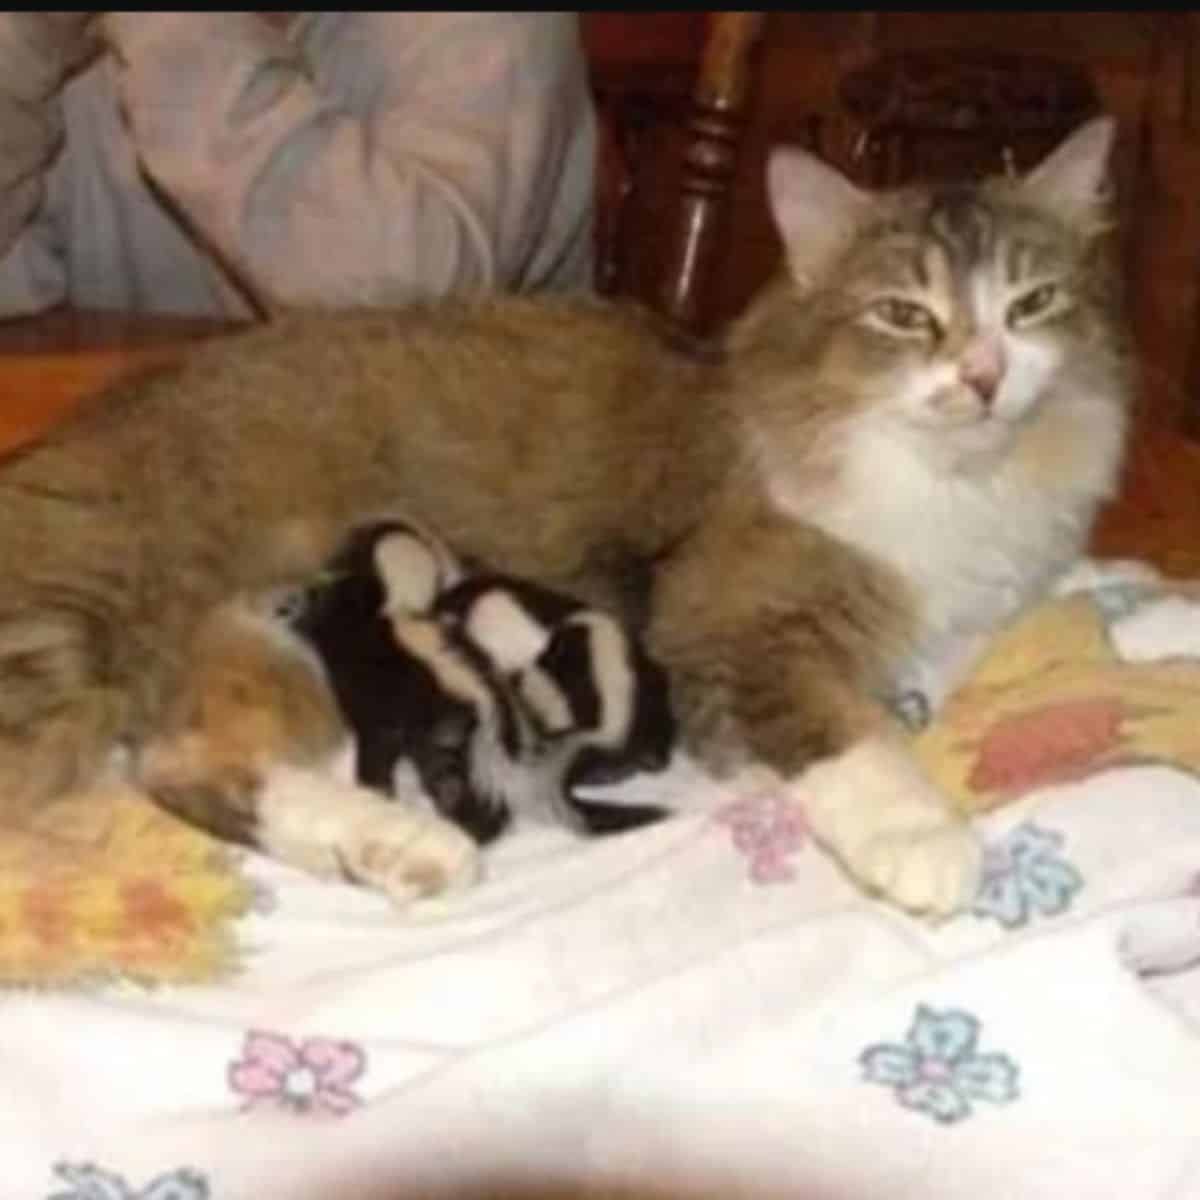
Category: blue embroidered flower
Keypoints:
(936, 1069)
(1023, 874)
(89, 1182)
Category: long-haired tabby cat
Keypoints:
(907, 440)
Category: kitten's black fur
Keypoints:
(419, 688)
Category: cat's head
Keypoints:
(953, 312)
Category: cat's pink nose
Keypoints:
(982, 367)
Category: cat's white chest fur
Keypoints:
(974, 546)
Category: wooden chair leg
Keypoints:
(712, 141)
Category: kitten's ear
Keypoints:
(815, 208)
(1073, 180)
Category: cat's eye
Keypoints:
(904, 316)
(1033, 304)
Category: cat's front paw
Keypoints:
(931, 870)
(407, 854)
(891, 829)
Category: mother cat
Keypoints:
(907, 440)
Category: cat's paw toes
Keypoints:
(408, 855)
(931, 870)
(892, 830)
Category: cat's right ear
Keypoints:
(1074, 180)
(815, 208)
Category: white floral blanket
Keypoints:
(704, 1007)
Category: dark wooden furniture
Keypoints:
(945, 114)
(712, 138)
(697, 113)
(1166, 259)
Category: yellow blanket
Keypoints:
(1052, 701)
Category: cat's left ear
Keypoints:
(1074, 180)
(815, 208)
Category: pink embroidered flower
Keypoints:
(308, 1077)
(768, 829)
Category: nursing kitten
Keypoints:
(499, 696)
(907, 440)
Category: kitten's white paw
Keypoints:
(932, 871)
(894, 833)
(407, 854)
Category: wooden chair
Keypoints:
(665, 247)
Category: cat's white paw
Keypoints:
(406, 854)
(892, 831)
(932, 870)
(333, 828)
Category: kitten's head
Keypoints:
(952, 312)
